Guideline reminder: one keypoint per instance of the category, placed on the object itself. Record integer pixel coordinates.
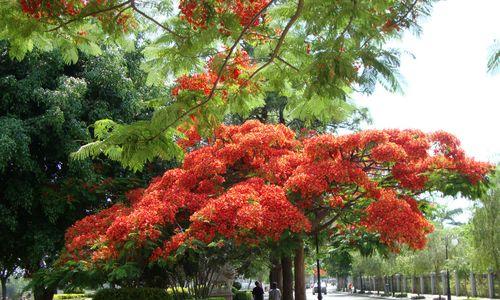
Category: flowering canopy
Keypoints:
(254, 182)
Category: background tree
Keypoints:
(46, 108)
(475, 251)
(485, 228)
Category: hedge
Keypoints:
(242, 295)
(133, 294)
(144, 294)
(237, 285)
(68, 296)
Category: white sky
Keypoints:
(447, 86)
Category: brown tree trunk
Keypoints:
(286, 265)
(4, 287)
(276, 274)
(299, 272)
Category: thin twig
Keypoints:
(281, 40)
(351, 18)
(350, 203)
(287, 63)
(134, 7)
(91, 14)
(410, 9)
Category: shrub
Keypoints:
(242, 295)
(237, 285)
(419, 297)
(401, 295)
(68, 296)
(133, 294)
(181, 293)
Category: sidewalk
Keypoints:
(427, 296)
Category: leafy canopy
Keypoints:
(219, 57)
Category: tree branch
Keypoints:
(134, 7)
(351, 19)
(287, 63)
(410, 9)
(91, 14)
(395, 23)
(339, 214)
(221, 69)
(281, 40)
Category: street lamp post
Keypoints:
(448, 292)
(320, 296)
(454, 242)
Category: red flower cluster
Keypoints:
(398, 221)
(196, 83)
(40, 8)
(238, 187)
(231, 74)
(91, 231)
(200, 13)
(54, 10)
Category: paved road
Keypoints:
(330, 296)
(333, 296)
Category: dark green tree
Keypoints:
(46, 109)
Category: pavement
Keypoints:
(330, 296)
(348, 296)
(334, 295)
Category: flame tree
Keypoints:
(254, 185)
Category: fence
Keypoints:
(484, 285)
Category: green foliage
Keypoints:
(485, 228)
(242, 295)
(327, 53)
(133, 294)
(456, 185)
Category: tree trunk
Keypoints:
(299, 272)
(276, 274)
(43, 294)
(286, 265)
(4, 287)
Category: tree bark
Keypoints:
(276, 274)
(4, 287)
(286, 265)
(299, 272)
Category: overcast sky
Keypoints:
(447, 86)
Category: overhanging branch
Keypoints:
(93, 13)
(221, 69)
(281, 40)
(142, 13)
